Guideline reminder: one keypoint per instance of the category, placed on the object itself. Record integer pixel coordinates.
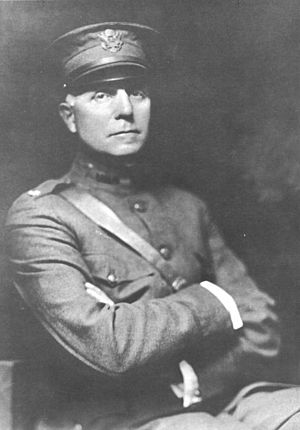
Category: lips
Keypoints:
(124, 132)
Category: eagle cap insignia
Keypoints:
(111, 40)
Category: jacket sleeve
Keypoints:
(49, 273)
(250, 356)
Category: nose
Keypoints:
(123, 104)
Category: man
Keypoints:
(137, 314)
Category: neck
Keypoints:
(138, 167)
(102, 159)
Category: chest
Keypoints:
(122, 273)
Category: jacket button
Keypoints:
(140, 206)
(111, 277)
(165, 252)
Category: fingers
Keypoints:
(177, 390)
(98, 294)
(191, 392)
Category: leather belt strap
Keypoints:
(106, 218)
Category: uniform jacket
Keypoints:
(126, 355)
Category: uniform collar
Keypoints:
(118, 174)
(97, 170)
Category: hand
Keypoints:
(188, 390)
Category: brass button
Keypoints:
(111, 277)
(165, 252)
(140, 206)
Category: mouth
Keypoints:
(124, 132)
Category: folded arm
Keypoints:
(251, 354)
(50, 274)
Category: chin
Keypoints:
(128, 149)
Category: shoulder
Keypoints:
(42, 200)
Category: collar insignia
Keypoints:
(111, 40)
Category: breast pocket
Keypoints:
(108, 268)
(122, 278)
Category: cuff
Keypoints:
(227, 301)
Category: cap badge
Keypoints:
(111, 40)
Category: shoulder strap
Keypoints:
(106, 218)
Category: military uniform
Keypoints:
(111, 364)
(135, 346)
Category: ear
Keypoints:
(67, 113)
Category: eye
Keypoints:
(138, 93)
(101, 96)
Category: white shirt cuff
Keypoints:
(227, 301)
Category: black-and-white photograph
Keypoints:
(149, 215)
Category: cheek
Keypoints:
(89, 122)
(143, 115)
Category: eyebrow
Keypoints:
(112, 88)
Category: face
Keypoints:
(112, 118)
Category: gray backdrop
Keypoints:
(228, 123)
